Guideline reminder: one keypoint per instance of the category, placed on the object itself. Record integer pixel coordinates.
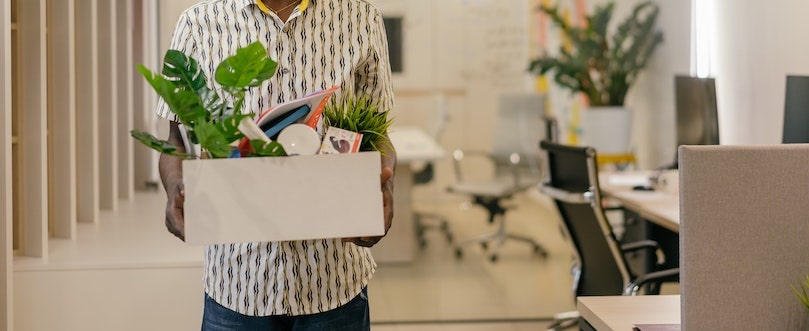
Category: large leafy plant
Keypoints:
(600, 65)
(209, 119)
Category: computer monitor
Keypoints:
(796, 110)
(697, 120)
(695, 106)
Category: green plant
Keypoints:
(210, 120)
(359, 114)
(802, 293)
(601, 66)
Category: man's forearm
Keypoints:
(171, 171)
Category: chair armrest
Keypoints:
(569, 197)
(668, 275)
(514, 164)
(638, 245)
(458, 156)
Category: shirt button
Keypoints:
(284, 71)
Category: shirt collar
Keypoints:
(242, 4)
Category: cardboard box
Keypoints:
(283, 198)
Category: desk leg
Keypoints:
(400, 243)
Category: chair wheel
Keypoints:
(458, 253)
(449, 238)
(493, 258)
(485, 245)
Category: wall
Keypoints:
(652, 98)
(133, 299)
(759, 44)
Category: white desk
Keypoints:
(412, 145)
(662, 208)
(622, 313)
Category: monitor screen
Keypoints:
(695, 106)
(393, 31)
(697, 121)
(796, 110)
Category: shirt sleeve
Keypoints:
(374, 74)
(182, 40)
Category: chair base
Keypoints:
(563, 321)
(498, 238)
(428, 221)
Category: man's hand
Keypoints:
(386, 179)
(175, 210)
(171, 173)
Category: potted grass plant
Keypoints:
(602, 64)
(362, 115)
(802, 294)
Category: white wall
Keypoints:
(652, 98)
(759, 44)
(158, 298)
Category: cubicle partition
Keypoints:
(744, 236)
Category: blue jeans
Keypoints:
(353, 316)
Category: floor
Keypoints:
(520, 291)
(438, 291)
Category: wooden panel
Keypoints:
(146, 41)
(87, 110)
(126, 70)
(33, 141)
(6, 238)
(62, 117)
(15, 131)
(107, 103)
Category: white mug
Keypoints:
(668, 181)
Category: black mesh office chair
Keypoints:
(600, 263)
(516, 164)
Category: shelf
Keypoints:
(14, 140)
(13, 26)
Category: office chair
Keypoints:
(600, 265)
(516, 168)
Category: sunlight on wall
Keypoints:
(703, 36)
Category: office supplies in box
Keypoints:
(283, 198)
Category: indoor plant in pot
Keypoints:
(602, 64)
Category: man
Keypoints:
(300, 285)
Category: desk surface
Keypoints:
(413, 144)
(662, 208)
(622, 313)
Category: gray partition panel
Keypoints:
(744, 236)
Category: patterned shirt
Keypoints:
(323, 43)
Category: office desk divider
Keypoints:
(744, 236)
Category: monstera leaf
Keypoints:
(248, 68)
(207, 119)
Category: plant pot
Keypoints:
(607, 129)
